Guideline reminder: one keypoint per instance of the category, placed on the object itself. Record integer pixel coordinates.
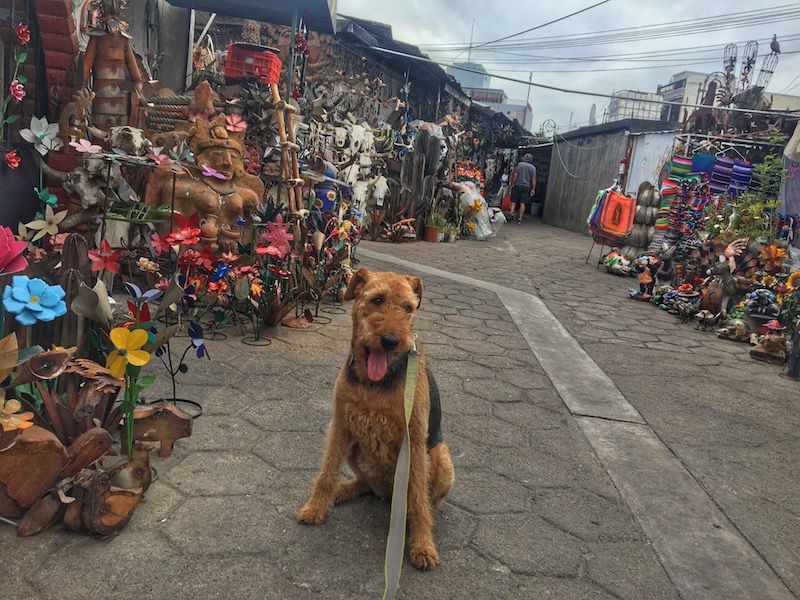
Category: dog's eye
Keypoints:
(377, 301)
(408, 309)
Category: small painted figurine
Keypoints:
(647, 267)
(771, 346)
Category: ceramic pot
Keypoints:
(431, 234)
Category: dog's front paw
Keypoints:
(311, 514)
(424, 557)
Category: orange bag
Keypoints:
(616, 215)
(506, 204)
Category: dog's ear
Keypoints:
(359, 279)
(416, 285)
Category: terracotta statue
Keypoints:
(219, 188)
(111, 63)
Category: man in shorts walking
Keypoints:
(523, 187)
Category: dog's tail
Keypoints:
(435, 417)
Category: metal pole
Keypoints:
(188, 80)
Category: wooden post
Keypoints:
(281, 118)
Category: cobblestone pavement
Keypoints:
(534, 512)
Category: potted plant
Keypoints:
(433, 225)
(450, 232)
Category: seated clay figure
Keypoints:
(219, 189)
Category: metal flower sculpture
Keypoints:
(11, 259)
(32, 300)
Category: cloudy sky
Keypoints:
(616, 45)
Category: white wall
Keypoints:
(650, 150)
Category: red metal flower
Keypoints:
(160, 244)
(218, 287)
(12, 159)
(206, 258)
(105, 259)
(23, 33)
(278, 271)
(186, 236)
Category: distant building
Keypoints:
(486, 95)
(468, 79)
(683, 88)
(516, 110)
(630, 104)
(476, 86)
(497, 100)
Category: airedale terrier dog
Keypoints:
(368, 422)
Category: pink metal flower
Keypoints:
(85, 146)
(209, 172)
(160, 159)
(11, 259)
(278, 235)
(235, 123)
(17, 90)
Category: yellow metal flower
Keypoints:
(128, 350)
(471, 226)
(10, 417)
(769, 281)
(794, 281)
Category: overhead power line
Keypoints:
(570, 91)
(542, 25)
(682, 28)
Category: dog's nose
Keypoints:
(389, 342)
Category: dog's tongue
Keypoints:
(376, 365)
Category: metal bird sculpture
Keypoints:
(774, 45)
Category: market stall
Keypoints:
(715, 241)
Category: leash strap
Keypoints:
(396, 541)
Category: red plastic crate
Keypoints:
(251, 60)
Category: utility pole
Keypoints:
(527, 100)
(469, 54)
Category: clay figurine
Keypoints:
(771, 346)
(647, 267)
(616, 263)
(735, 330)
(219, 190)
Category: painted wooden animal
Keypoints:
(165, 423)
(38, 460)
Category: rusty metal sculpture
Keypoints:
(111, 64)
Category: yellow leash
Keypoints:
(396, 541)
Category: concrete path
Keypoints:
(602, 450)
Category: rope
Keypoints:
(561, 160)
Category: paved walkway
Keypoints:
(602, 450)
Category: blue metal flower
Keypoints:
(221, 271)
(32, 300)
(196, 334)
